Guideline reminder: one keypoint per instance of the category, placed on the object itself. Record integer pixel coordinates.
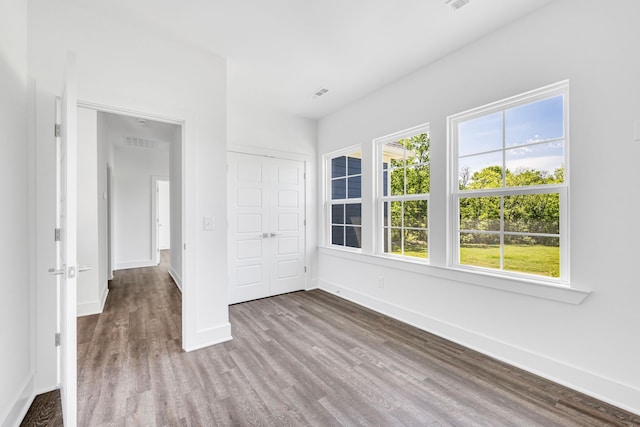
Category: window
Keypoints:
(509, 185)
(403, 193)
(344, 207)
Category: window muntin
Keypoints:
(404, 185)
(344, 201)
(510, 191)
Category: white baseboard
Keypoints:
(93, 307)
(176, 278)
(136, 264)
(20, 407)
(608, 390)
(207, 337)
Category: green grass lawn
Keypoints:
(532, 259)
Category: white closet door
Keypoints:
(266, 226)
(287, 223)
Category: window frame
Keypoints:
(455, 194)
(329, 202)
(380, 199)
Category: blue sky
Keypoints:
(538, 121)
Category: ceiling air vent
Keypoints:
(456, 4)
(318, 93)
(134, 141)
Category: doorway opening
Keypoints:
(131, 166)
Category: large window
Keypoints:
(344, 206)
(509, 185)
(403, 193)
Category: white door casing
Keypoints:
(266, 202)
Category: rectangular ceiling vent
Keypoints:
(134, 141)
(322, 91)
(456, 4)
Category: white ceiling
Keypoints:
(280, 52)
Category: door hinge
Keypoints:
(57, 339)
(56, 130)
(56, 235)
(305, 268)
(305, 222)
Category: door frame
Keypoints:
(155, 203)
(310, 194)
(184, 119)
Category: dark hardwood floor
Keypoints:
(305, 358)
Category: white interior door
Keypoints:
(266, 226)
(66, 268)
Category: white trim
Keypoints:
(210, 336)
(518, 285)
(136, 264)
(327, 202)
(454, 194)
(22, 403)
(93, 307)
(379, 199)
(176, 278)
(608, 390)
(309, 185)
(187, 120)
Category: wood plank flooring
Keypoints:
(305, 358)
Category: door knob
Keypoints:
(84, 268)
(56, 272)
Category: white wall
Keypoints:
(90, 285)
(257, 129)
(125, 66)
(135, 168)
(591, 346)
(17, 316)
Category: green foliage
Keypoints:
(532, 213)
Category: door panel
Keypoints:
(266, 226)
(66, 248)
(248, 269)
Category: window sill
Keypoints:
(538, 289)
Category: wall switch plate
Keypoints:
(208, 223)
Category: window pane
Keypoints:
(537, 121)
(418, 178)
(355, 184)
(532, 213)
(535, 164)
(353, 213)
(385, 183)
(352, 237)
(337, 235)
(481, 134)
(397, 182)
(417, 149)
(339, 189)
(396, 214)
(395, 235)
(415, 243)
(393, 154)
(481, 171)
(337, 214)
(415, 213)
(480, 213)
(354, 166)
(526, 254)
(480, 250)
(338, 167)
